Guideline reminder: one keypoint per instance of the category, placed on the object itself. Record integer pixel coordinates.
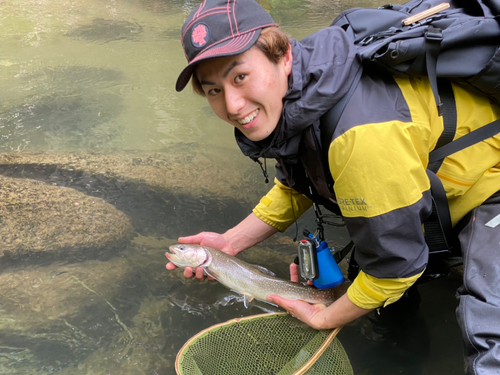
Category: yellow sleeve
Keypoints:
(368, 292)
(275, 208)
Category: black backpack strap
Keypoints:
(467, 140)
(339, 255)
(449, 114)
(433, 39)
(437, 227)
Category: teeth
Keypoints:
(249, 118)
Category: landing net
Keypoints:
(267, 344)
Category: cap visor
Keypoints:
(231, 47)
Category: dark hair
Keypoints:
(273, 42)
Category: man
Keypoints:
(274, 90)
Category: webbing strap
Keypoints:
(449, 115)
(433, 38)
(438, 228)
(339, 255)
(467, 140)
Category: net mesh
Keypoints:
(268, 344)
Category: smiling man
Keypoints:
(273, 90)
(246, 90)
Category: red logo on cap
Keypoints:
(200, 34)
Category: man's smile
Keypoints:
(248, 118)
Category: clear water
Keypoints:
(89, 114)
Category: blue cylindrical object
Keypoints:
(329, 271)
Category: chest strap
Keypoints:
(437, 227)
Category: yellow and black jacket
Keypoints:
(378, 159)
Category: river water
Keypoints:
(103, 165)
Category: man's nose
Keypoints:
(234, 101)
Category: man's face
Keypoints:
(246, 90)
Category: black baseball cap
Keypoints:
(218, 28)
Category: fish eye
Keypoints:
(181, 247)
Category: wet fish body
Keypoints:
(250, 280)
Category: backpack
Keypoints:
(459, 40)
(456, 40)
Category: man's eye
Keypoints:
(239, 78)
(213, 92)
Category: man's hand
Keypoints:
(210, 239)
(319, 316)
(303, 311)
(299, 309)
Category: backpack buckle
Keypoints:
(433, 33)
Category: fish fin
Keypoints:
(263, 270)
(247, 299)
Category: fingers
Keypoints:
(188, 272)
(170, 266)
(210, 239)
(294, 273)
(276, 300)
(194, 239)
(199, 273)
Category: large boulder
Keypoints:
(36, 218)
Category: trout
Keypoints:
(247, 279)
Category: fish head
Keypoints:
(184, 255)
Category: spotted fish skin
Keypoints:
(243, 277)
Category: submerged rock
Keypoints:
(71, 106)
(185, 170)
(39, 219)
(104, 31)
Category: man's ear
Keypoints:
(287, 60)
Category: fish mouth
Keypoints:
(176, 257)
(171, 257)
